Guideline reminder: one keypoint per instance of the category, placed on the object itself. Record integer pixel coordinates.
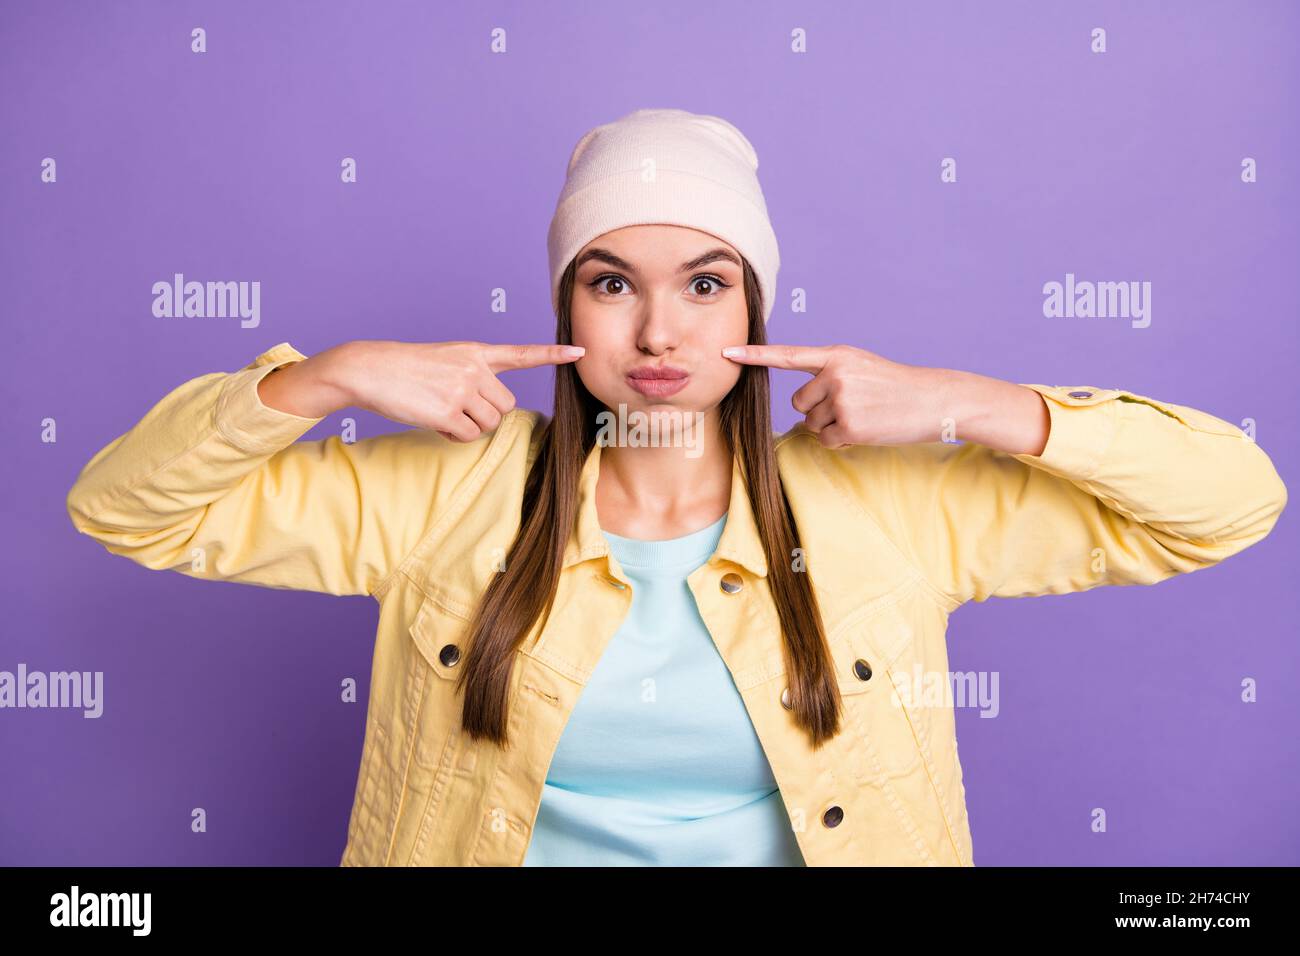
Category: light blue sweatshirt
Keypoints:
(659, 764)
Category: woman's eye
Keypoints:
(704, 286)
(708, 286)
(615, 289)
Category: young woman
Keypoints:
(645, 629)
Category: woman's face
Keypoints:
(658, 297)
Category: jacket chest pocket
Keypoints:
(435, 659)
(874, 654)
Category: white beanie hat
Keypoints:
(665, 166)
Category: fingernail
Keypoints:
(574, 351)
(731, 351)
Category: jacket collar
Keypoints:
(739, 541)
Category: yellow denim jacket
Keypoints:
(213, 484)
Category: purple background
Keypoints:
(225, 166)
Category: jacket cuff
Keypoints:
(245, 421)
(1084, 422)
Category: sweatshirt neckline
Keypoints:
(693, 548)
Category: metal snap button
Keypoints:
(731, 582)
(1081, 394)
(785, 698)
(832, 817)
(449, 655)
(862, 669)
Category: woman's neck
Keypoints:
(654, 492)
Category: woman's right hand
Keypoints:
(447, 387)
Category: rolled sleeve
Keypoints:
(244, 420)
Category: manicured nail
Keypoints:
(574, 351)
(731, 351)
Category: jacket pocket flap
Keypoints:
(440, 635)
(866, 644)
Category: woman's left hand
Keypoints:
(857, 397)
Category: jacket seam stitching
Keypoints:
(890, 792)
(921, 734)
(433, 803)
(412, 738)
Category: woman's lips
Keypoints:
(658, 387)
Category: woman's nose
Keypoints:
(660, 326)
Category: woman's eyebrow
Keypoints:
(618, 262)
(713, 255)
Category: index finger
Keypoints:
(502, 357)
(803, 358)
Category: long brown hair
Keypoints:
(525, 591)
